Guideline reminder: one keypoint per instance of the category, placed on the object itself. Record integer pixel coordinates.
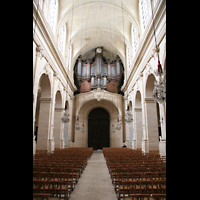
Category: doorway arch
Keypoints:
(98, 129)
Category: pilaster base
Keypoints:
(68, 144)
(51, 144)
(134, 144)
(62, 143)
(162, 147)
(34, 145)
(145, 146)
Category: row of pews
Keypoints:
(136, 175)
(56, 174)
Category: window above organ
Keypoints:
(98, 73)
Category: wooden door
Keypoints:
(98, 129)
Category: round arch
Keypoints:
(44, 84)
(108, 104)
(138, 100)
(150, 86)
(43, 122)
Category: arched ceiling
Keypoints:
(95, 23)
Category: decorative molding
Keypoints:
(39, 51)
(59, 109)
(44, 99)
(149, 100)
(98, 94)
(138, 109)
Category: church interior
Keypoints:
(99, 82)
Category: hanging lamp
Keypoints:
(65, 118)
(159, 91)
(118, 127)
(83, 131)
(112, 127)
(77, 126)
(128, 115)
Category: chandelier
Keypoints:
(118, 127)
(83, 131)
(128, 115)
(112, 129)
(65, 118)
(159, 91)
(77, 126)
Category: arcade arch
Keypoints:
(138, 121)
(57, 130)
(44, 111)
(151, 115)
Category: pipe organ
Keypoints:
(98, 73)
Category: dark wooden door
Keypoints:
(98, 129)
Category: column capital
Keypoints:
(149, 100)
(59, 109)
(138, 109)
(47, 100)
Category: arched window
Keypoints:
(128, 57)
(134, 39)
(69, 58)
(52, 13)
(62, 39)
(145, 16)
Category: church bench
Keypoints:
(123, 161)
(41, 195)
(141, 187)
(127, 177)
(146, 197)
(57, 173)
(59, 189)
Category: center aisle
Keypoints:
(95, 182)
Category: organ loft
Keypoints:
(98, 72)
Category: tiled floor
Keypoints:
(95, 182)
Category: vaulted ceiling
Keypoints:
(95, 23)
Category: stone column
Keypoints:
(44, 125)
(138, 127)
(57, 134)
(152, 124)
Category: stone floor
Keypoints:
(95, 182)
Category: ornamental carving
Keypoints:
(98, 94)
